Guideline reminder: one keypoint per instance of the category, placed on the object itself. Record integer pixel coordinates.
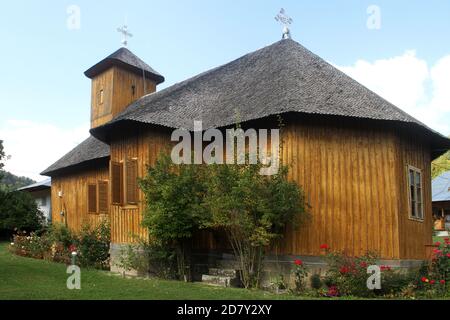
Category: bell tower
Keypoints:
(117, 81)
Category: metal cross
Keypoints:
(124, 31)
(286, 21)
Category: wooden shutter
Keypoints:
(103, 204)
(116, 183)
(92, 198)
(131, 181)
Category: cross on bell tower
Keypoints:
(286, 21)
(125, 34)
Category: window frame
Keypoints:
(107, 196)
(90, 184)
(120, 183)
(126, 201)
(101, 96)
(419, 215)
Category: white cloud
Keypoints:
(35, 146)
(411, 84)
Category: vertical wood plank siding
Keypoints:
(74, 202)
(145, 146)
(351, 184)
(353, 175)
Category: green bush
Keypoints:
(31, 245)
(316, 281)
(349, 274)
(18, 211)
(93, 245)
(57, 243)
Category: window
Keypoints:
(131, 181)
(100, 97)
(43, 201)
(116, 183)
(415, 193)
(103, 204)
(92, 198)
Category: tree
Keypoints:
(253, 210)
(173, 211)
(2, 158)
(440, 165)
(18, 211)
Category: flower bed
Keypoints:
(58, 243)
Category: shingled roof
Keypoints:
(127, 60)
(90, 149)
(280, 78)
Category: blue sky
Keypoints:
(42, 62)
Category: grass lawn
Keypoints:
(26, 278)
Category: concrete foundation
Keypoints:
(274, 266)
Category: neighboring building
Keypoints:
(41, 192)
(364, 163)
(441, 201)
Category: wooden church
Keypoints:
(364, 163)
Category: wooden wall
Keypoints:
(74, 196)
(144, 145)
(414, 235)
(116, 84)
(353, 174)
(348, 174)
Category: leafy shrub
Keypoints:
(316, 281)
(18, 211)
(31, 245)
(93, 245)
(57, 243)
(300, 275)
(433, 280)
(349, 274)
(173, 212)
(253, 211)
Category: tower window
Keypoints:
(100, 97)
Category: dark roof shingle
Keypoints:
(88, 150)
(128, 60)
(280, 78)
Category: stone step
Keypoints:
(221, 281)
(223, 272)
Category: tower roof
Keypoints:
(128, 60)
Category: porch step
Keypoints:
(222, 277)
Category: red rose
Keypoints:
(437, 243)
(432, 282)
(363, 264)
(424, 279)
(324, 246)
(298, 262)
(448, 255)
(72, 248)
(442, 282)
(344, 270)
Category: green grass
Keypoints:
(26, 278)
